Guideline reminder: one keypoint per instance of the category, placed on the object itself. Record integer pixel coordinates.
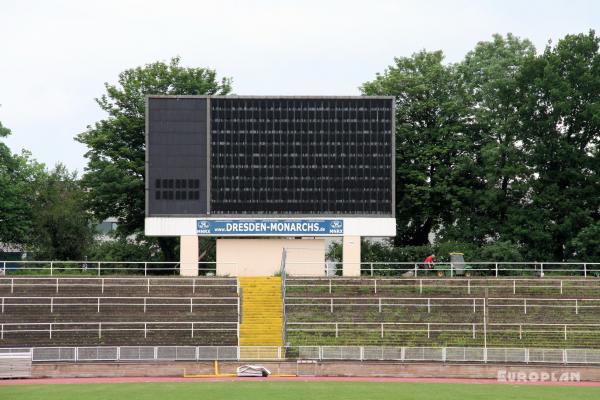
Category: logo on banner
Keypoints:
(270, 227)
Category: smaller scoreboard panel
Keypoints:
(270, 156)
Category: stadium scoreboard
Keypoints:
(265, 162)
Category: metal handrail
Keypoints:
(283, 273)
(85, 266)
(491, 267)
(105, 326)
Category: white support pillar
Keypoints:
(188, 256)
(351, 255)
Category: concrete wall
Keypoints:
(262, 257)
(332, 368)
(188, 256)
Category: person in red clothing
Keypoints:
(429, 260)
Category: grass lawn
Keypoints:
(294, 390)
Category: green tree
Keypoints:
(586, 245)
(432, 151)
(62, 227)
(19, 175)
(490, 74)
(561, 133)
(114, 175)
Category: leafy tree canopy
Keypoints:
(114, 176)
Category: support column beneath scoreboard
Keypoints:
(351, 255)
(188, 256)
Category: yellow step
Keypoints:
(262, 315)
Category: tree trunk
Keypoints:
(168, 248)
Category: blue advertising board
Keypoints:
(267, 227)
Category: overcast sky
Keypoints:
(56, 55)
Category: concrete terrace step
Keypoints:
(262, 311)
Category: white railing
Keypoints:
(380, 302)
(188, 303)
(380, 328)
(323, 353)
(420, 285)
(107, 283)
(103, 327)
(476, 329)
(480, 268)
(52, 268)
(406, 269)
(522, 303)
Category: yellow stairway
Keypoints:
(262, 317)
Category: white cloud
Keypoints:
(56, 55)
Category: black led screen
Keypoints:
(290, 156)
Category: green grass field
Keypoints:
(294, 390)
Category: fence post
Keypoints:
(565, 332)
(496, 270)
(375, 285)
(99, 330)
(520, 332)
(576, 307)
(193, 329)
(336, 330)
(50, 330)
(524, 306)
(416, 269)
(584, 270)
(145, 331)
(428, 305)
(330, 286)
(382, 330)
(371, 269)
(468, 286)
(541, 270)
(51, 305)
(98, 304)
(191, 304)
(428, 331)
(145, 269)
(51, 268)
(379, 304)
(331, 306)
(98, 268)
(561, 286)
(451, 270)
(443, 354)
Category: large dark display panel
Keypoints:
(271, 156)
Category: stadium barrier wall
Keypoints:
(313, 353)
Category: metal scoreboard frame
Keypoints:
(211, 222)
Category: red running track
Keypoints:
(141, 379)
